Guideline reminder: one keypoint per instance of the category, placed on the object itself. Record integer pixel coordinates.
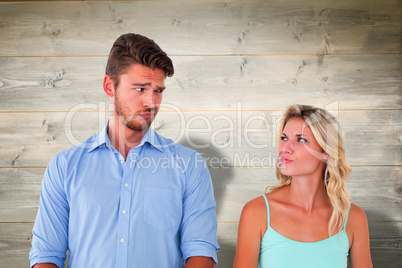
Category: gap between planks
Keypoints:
(209, 55)
(198, 111)
(4, 167)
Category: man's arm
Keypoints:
(197, 262)
(50, 232)
(45, 265)
(199, 224)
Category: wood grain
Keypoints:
(198, 27)
(60, 84)
(32, 139)
(234, 187)
(238, 65)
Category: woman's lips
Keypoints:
(286, 160)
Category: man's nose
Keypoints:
(148, 99)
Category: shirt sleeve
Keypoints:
(50, 231)
(199, 224)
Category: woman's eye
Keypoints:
(284, 138)
(302, 140)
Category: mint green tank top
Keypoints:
(278, 251)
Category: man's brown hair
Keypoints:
(134, 48)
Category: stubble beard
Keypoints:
(134, 122)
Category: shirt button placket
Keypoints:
(123, 218)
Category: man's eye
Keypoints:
(139, 89)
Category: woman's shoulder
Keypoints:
(357, 216)
(254, 215)
(357, 224)
(255, 205)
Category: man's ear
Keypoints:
(108, 85)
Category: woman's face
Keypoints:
(299, 152)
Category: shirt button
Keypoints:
(126, 185)
(122, 161)
(122, 240)
(124, 212)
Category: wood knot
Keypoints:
(243, 64)
(400, 137)
(176, 22)
(324, 47)
(242, 37)
(50, 138)
(325, 12)
(59, 75)
(399, 190)
(180, 84)
(301, 66)
(119, 20)
(50, 83)
(55, 33)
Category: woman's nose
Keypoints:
(287, 147)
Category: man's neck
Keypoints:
(123, 138)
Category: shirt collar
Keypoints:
(150, 137)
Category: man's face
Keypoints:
(138, 96)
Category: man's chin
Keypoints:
(137, 126)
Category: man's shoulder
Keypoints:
(175, 147)
(80, 148)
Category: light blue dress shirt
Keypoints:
(156, 209)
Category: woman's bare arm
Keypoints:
(249, 236)
(357, 227)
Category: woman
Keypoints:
(307, 220)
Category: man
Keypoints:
(127, 197)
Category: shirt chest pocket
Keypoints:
(162, 208)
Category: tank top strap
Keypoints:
(266, 204)
(347, 216)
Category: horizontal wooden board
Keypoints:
(225, 138)
(253, 82)
(216, 27)
(15, 243)
(234, 187)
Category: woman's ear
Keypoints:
(108, 86)
(325, 157)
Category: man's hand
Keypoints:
(45, 265)
(199, 262)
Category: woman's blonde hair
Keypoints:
(328, 134)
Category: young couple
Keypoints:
(107, 211)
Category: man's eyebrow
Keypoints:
(141, 85)
(147, 84)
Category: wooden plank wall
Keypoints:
(238, 65)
